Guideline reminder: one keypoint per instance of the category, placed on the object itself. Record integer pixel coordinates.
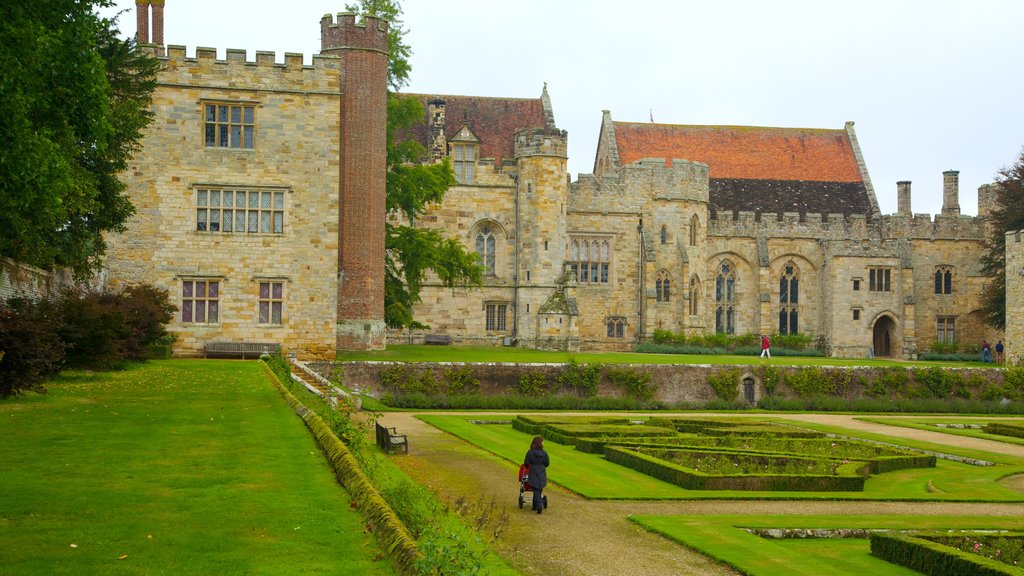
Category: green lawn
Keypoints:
(929, 423)
(425, 353)
(592, 476)
(173, 467)
(723, 538)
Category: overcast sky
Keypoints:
(932, 85)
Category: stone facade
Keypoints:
(1014, 297)
(671, 227)
(236, 191)
(693, 229)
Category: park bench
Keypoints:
(243, 350)
(437, 339)
(390, 440)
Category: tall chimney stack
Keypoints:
(142, 21)
(903, 198)
(951, 193)
(158, 25)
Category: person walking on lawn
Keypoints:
(766, 346)
(538, 461)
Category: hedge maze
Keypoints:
(705, 454)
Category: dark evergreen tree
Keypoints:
(1008, 215)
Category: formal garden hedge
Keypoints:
(844, 478)
(938, 553)
(1004, 429)
(721, 454)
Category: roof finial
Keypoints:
(651, 111)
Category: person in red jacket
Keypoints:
(766, 346)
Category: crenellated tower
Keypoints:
(362, 47)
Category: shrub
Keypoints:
(771, 377)
(810, 381)
(461, 381)
(938, 383)
(634, 384)
(1014, 383)
(147, 311)
(890, 383)
(32, 350)
(725, 384)
(533, 384)
(581, 378)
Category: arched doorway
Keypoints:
(884, 336)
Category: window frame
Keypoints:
(496, 316)
(486, 240)
(256, 210)
(589, 271)
(945, 329)
(789, 299)
(192, 301)
(616, 327)
(694, 305)
(463, 166)
(224, 125)
(943, 280)
(880, 279)
(271, 301)
(725, 298)
(663, 287)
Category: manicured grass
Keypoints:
(591, 476)
(722, 538)
(928, 423)
(174, 467)
(425, 353)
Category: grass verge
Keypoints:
(172, 467)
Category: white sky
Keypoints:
(932, 85)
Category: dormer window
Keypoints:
(464, 153)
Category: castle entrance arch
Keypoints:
(884, 336)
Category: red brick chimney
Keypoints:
(142, 21)
(361, 213)
(158, 25)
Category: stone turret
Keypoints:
(951, 193)
(362, 48)
(903, 198)
(988, 200)
(435, 122)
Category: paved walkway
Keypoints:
(588, 537)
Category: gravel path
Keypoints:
(575, 536)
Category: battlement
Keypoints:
(839, 227)
(541, 142)
(236, 71)
(369, 33)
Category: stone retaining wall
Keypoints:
(675, 382)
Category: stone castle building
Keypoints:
(259, 196)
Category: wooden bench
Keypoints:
(437, 339)
(390, 440)
(243, 350)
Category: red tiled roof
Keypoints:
(493, 120)
(741, 152)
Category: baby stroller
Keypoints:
(524, 486)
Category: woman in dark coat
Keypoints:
(537, 460)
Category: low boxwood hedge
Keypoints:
(927, 557)
(1003, 429)
(846, 480)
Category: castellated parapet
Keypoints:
(855, 226)
(541, 142)
(235, 72)
(635, 184)
(368, 34)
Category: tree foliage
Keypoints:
(412, 187)
(74, 103)
(1008, 215)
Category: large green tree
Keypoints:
(1008, 215)
(412, 187)
(74, 99)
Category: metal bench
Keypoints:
(243, 350)
(390, 440)
(437, 339)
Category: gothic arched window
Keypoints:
(485, 245)
(725, 299)
(694, 229)
(944, 280)
(616, 327)
(664, 234)
(789, 300)
(662, 286)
